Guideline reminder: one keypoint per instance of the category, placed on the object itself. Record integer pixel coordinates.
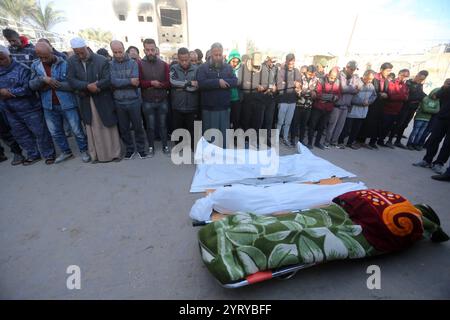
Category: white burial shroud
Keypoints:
(264, 167)
(269, 199)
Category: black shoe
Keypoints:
(390, 145)
(441, 177)
(143, 155)
(367, 146)
(400, 145)
(129, 155)
(320, 146)
(309, 146)
(373, 146)
(166, 150)
(410, 147)
(418, 148)
(382, 144)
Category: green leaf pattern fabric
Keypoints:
(244, 243)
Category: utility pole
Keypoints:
(351, 36)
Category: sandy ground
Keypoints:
(126, 225)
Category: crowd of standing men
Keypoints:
(44, 94)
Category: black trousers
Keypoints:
(236, 108)
(404, 118)
(184, 120)
(351, 130)
(269, 115)
(390, 124)
(373, 123)
(300, 122)
(441, 130)
(131, 114)
(253, 109)
(6, 136)
(317, 122)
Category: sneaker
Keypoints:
(422, 164)
(85, 157)
(374, 146)
(3, 157)
(18, 159)
(390, 145)
(400, 145)
(354, 146)
(63, 157)
(129, 155)
(326, 145)
(410, 147)
(166, 150)
(151, 152)
(340, 146)
(320, 146)
(438, 168)
(143, 155)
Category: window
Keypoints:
(141, 18)
(169, 17)
(121, 17)
(149, 19)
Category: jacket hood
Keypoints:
(234, 54)
(433, 91)
(5, 70)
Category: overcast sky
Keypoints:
(303, 26)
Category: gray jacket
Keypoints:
(184, 97)
(121, 73)
(97, 70)
(367, 94)
(348, 89)
(269, 76)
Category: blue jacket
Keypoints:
(15, 78)
(213, 97)
(66, 97)
(121, 73)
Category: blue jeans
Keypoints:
(417, 132)
(30, 131)
(153, 110)
(285, 115)
(55, 123)
(426, 132)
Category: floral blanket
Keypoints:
(358, 224)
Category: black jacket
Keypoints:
(444, 99)
(415, 95)
(98, 69)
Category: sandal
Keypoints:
(50, 161)
(28, 162)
